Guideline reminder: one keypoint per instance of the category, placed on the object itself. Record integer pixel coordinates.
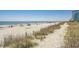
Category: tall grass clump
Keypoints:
(72, 35)
(19, 42)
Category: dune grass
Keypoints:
(19, 42)
(72, 35)
(45, 31)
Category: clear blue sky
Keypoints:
(35, 15)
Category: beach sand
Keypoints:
(21, 30)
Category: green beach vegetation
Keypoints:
(72, 35)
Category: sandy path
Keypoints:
(55, 39)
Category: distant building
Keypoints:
(75, 15)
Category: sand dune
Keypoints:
(55, 39)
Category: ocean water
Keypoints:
(21, 22)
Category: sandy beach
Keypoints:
(21, 30)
